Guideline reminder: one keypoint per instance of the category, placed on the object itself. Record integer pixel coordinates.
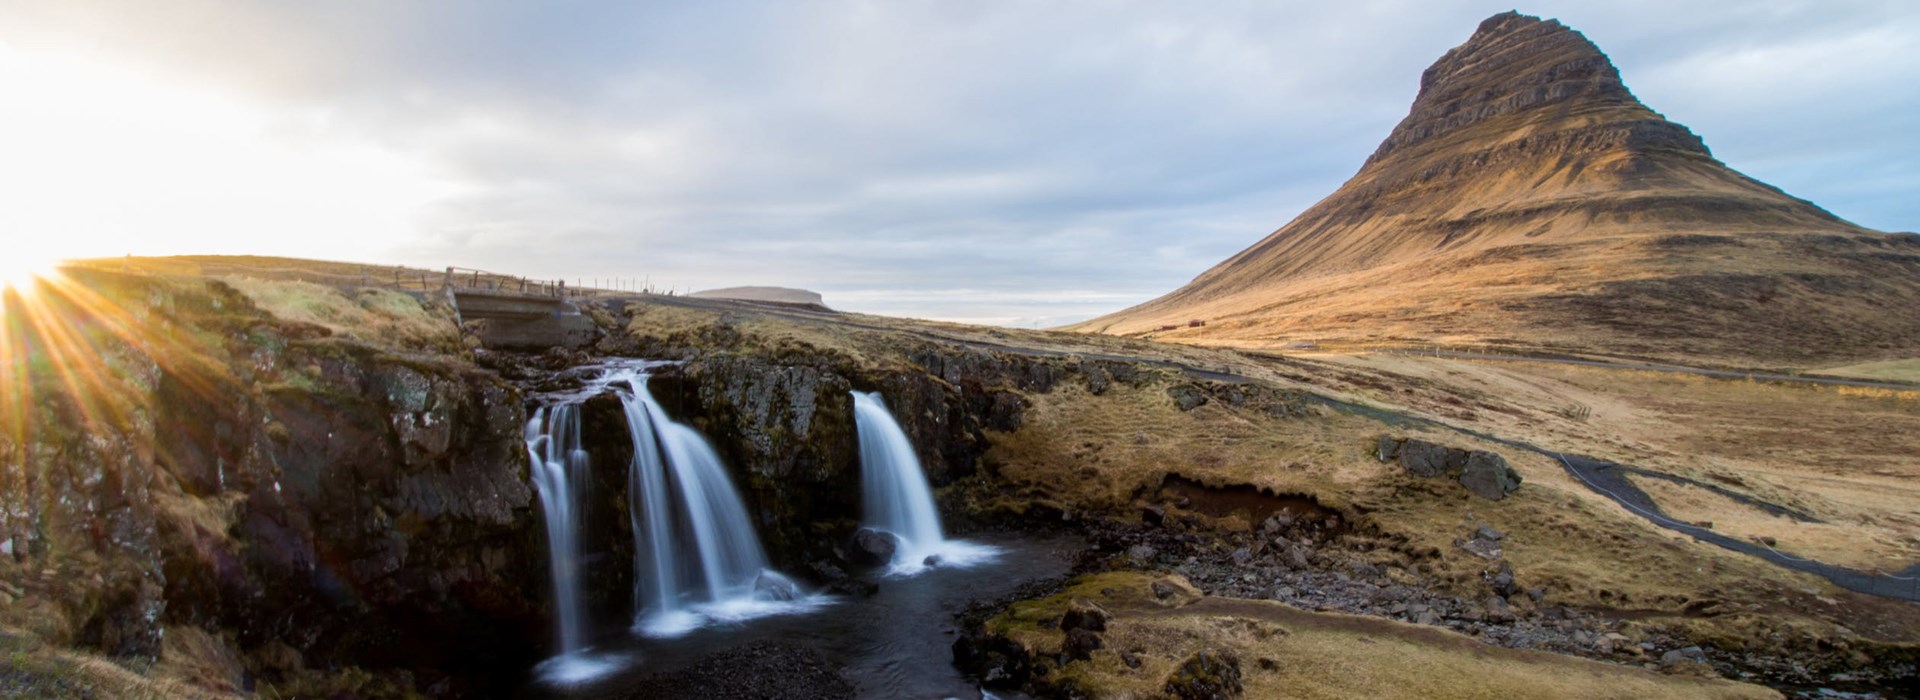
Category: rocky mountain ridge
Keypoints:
(1528, 198)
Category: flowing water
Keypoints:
(697, 558)
(895, 495)
(700, 571)
(681, 494)
(897, 644)
(559, 465)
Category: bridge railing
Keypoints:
(467, 279)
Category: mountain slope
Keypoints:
(1529, 198)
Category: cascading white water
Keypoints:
(678, 491)
(559, 467)
(896, 497)
(894, 489)
(696, 559)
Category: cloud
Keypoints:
(1026, 162)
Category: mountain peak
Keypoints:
(1515, 71)
(1529, 197)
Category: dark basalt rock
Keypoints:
(874, 547)
(1426, 459)
(1084, 614)
(1209, 674)
(1080, 644)
(997, 661)
(335, 506)
(1488, 476)
(1187, 397)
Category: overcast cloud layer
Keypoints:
(1024, 163)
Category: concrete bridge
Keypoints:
(517, 313)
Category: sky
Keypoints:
(1005, 162)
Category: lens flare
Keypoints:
(21, 272)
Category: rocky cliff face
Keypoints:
(785, 424)
(1528, 187)
(192, 464)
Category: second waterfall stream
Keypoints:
(895, 496)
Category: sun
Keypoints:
(19, 271)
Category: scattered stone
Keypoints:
(1080, 644)
(771, 586)
(932, 560)
(1498, 610)
(1084, 614)
(1127, 657)
(1241, 556)
(1208, 674)
(1175, 590)
(1426, 459)
(1386, 449)
(1503, 584)
(1489, 476)
(1690, 660)
(1485, 549)
(1187, 397)
(1537, 594)
(1488, 533)
(1297, 556)
(1268, 664)
(1142, 553)
(1153, 515)
(874, 547)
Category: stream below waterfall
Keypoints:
(897, 644)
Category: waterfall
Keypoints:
(696, 560)
(896, 497)
(679, 494)
(559, 467)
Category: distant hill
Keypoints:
(1529, 198)
(782, 295)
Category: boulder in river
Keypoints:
(874, 547)
(773, 586)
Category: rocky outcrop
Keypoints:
(1484, 473)
(1209, 674)
(1515, 64)
(1488, 476)
(314, 504)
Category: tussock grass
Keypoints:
(381, 318)
(32, 669)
